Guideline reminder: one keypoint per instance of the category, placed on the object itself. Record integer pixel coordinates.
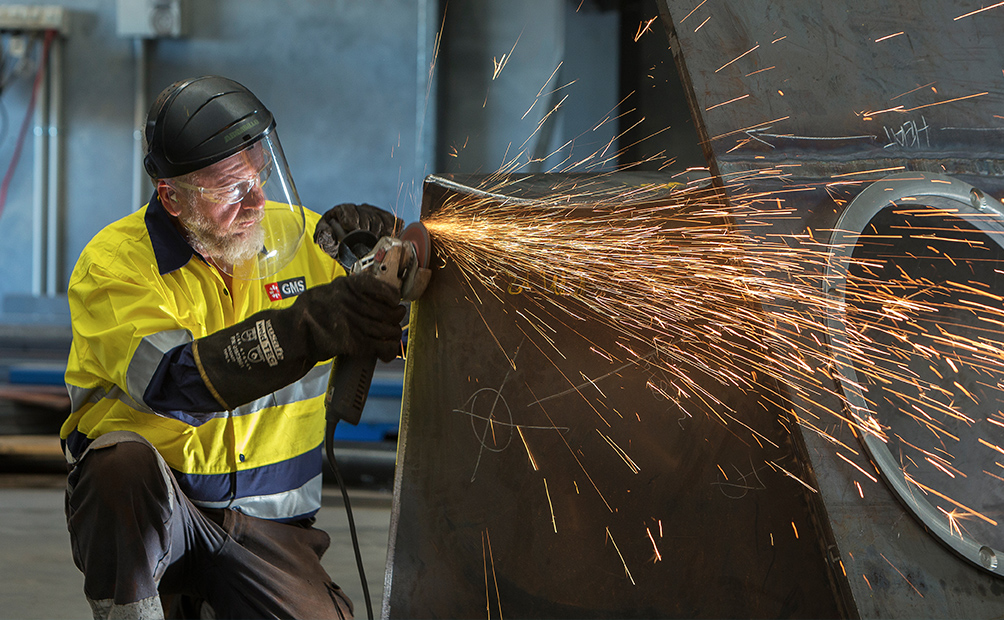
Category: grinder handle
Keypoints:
(351, 376)
(348, 387)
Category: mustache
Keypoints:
(252, 216)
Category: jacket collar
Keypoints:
(169, 246)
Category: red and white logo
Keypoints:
(286, 288)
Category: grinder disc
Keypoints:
(416, 234)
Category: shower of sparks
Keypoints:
(697, 287)
(688, 282)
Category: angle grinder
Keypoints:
(402, 262)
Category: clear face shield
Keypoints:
(243, 213)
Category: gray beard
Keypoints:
(224, 250)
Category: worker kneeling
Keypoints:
(203, 329)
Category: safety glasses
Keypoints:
(233, 193)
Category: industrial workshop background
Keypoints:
(369, 99)
(834, 289)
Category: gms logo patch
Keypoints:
(286, 288)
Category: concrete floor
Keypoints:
(38, 578)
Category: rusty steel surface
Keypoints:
(835, 97)
(893, 566)
(511, 495)
(526, 490)
(843, 81)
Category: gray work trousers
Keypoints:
(136, 536)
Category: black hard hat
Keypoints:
(197, 122)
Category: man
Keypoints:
(203, 331)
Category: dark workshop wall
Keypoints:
(340, 76)
(349, 83)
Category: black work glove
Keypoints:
(354, 315)
(347, 217)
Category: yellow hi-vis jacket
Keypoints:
(140, 294)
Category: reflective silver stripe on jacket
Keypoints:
(282, 505)
(313, 384)
(80, 396)
(147, 359)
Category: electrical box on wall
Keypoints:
(28, 18)
(150, 19)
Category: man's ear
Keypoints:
(169, 197)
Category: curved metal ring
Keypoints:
(981, 211)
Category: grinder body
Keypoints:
(401, 262)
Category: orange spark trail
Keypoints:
(986, 8)
(687, 281)
(752, 49)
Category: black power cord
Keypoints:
(330, 450)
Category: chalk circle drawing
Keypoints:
(497, 404)
(487, 405)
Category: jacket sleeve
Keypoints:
(177, 388)
(128, 333)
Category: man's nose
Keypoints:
(254, 199)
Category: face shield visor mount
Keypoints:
(244, 215)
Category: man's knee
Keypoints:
(110, 483)
(119, 503)
(120, 471)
